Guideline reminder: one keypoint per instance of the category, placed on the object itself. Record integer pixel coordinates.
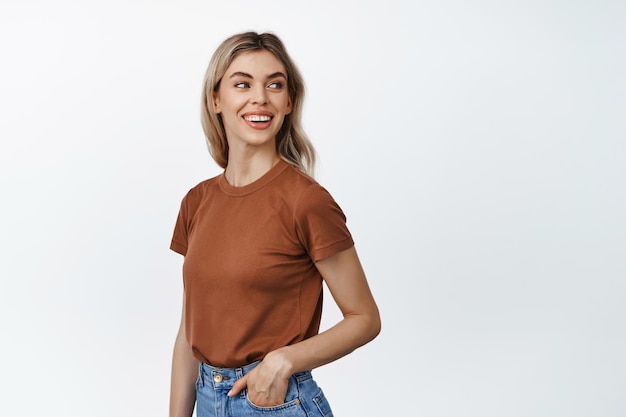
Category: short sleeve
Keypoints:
(180, 237)
(321, 224)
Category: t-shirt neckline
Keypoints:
(265, 179)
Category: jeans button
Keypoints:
(217, 378)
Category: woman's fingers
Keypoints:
(239, 385)
(264, 389)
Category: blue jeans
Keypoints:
(304, 397)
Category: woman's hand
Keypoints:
(344, 276)
(267, 383)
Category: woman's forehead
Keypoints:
(260, 63)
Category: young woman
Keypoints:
(258, 241)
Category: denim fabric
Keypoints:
(304, 397)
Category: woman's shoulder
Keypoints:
(201, 189)
(306, 190)
(298, 179)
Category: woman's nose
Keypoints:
(259, 96)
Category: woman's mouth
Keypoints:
(258, 121)
(257, 118)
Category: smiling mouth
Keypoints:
(257, 118)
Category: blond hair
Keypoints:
(292, 144)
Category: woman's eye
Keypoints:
(276, 85)
(242, 85)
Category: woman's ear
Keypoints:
(289, 106)
(216, 104)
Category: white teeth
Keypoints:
(258, 118)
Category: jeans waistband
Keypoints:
(224, 378)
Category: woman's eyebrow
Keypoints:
(240, 74)
(277, 74)
(246, 75)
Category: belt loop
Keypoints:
(239, 374)
(200, 379)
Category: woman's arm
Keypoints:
(344, 276)
(346, 281)
(184, 374)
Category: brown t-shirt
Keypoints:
(251, 284)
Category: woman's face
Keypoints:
(253, 99)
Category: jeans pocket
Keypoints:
(322, 404)
(289, 407)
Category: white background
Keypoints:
(477, 148)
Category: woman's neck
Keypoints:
(245, 168)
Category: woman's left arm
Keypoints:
(345, 279)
